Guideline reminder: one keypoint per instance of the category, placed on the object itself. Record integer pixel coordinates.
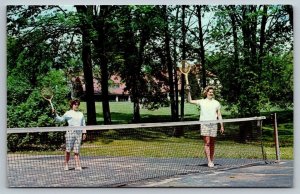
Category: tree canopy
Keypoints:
(249, 49)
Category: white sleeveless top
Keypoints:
(208, 109)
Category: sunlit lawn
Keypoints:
(164, 148)
(171, 147)
(168, 146)
(121, 112)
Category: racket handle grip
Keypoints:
(186, 79)
(51, 106)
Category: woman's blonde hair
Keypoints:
(206, 89)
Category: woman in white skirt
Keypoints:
(210, 109)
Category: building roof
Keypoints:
(118, 87)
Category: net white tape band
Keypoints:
(127, 126)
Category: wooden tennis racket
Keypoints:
(185, 68)
(47, 94)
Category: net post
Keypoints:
(276, 141)
(261, 140)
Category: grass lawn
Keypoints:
(170, 147)
(122, 112)
(158, 144)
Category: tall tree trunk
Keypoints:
(249, 72)
(183, 29)
(253, 31)
(104, 63)
(244, 128)
(201, 50)
(175, 67)
(234, 69)
(136, 97)
(87, 65)
(137, 71)
(180, 131)
(104, 89)
(131, 60)
(262, 40)
(169, 63)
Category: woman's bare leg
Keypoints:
(67, 157)
(212, 148)
(206, 140)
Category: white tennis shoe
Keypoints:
(78, 168)
(210, 165)
(66, 167)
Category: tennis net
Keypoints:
(117, 155)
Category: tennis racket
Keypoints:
(47, 94)
(185, 68)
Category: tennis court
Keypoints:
(47, 171)
(129, 156)
(268, 175)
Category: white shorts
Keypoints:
(209, 130)
(73, 141)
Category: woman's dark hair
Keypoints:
(75, 101)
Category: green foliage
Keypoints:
(253, 79)
(196, 91)
(278, 80)
(18, 89)
(255, 72)
(31, 110)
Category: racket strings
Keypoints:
(47, 93)
(185, 67)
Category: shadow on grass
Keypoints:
(284, 116)
(284, 119)
(123, 118)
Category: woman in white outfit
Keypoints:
(73, 137)
(210, 109)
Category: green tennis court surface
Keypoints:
(47, 171)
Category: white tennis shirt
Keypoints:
(74, 118)
(208, 109)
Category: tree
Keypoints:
(103, 25)
(201, 43)
(85, 12)
(132, 66)
(183, 30)
(140, 69)
(249, 48)
(40, 39)
(175, 58)
(253, 40)
(174, 116)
